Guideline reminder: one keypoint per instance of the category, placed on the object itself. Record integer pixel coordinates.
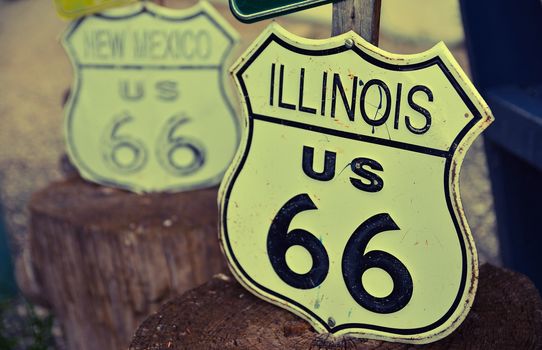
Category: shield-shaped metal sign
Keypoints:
(342, 204)
(150, 110)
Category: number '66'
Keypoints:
(354, 259)
(127, 154)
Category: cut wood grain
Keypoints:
(507, 314)
(103, 259)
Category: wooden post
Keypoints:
(361, 16)
(103, 259)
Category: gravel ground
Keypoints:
(34, 71)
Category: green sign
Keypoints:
(256, 10)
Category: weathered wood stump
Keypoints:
(507, 314)
(103, 259)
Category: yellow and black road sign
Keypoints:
(342, 204)
(150, 110)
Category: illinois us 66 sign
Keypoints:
(150, 108)
(342, 204)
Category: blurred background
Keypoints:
(35, 72)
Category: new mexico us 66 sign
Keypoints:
(342, 204)
(150, 109)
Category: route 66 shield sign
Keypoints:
(342, 204)
(150, 110)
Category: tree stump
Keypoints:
(507, 314)
(103, 259)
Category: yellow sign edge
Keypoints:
(134, 9)
(439, 50)
(87, 11)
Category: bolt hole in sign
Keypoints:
(150, 110)
(342, 204)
